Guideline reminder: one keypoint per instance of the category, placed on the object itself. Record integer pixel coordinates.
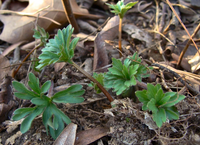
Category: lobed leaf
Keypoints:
(26, 124)
(21, 113)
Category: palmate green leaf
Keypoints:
(45, 87)
(70, 95)
(23, 92)
(56, 111)
(26, 124)
(21, 113)
(56, 132)
(59, 49)
(47, 114)
(174, 100)
(159, 117)
(44, 101)
(34, 83)
(172, 113)
(152, 105)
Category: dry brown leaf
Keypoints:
(109, 32)
(12, 47)
(111, 29)
(67, 136)
(100, 55)
(3, 63)
(59, 66)
(18, 27)
(138, 34)
(6, 98)
(88, 136)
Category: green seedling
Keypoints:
(39, 33)
(99, 77)
(161, 104)
(61, 49)
(121, 77)
(120, 9)
(53, 118)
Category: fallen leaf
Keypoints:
(49, 11)
(100, 55)
(59, 66)
(4, 62)
(12, 47)
(6, 98)
(88, 136)
(138, 34)
(109, 32)
(67, 136)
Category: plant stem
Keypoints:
(15, 71)
(120, 36)
(94, 80)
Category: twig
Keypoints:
(187, 45)
(70, 15)
(177, 76)
(94, 80)
(15, 71)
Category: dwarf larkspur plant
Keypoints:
(161, 104)
(120, 9)
(99, 77)
(61, 49)
(122, 76)
(52, 117)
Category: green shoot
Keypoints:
(120, 9)
(121, 77)
(161, 104)
(61, 49)
(53, 118)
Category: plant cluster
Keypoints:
(161, 104)
(120, 77)
(53, 118)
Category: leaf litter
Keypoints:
(126, 123)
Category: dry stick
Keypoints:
(187, 45)
(15, 71)
(94, 80)
(68, 12)
(120, 36)
(162, 20)
(170, 5)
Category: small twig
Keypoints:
(177, 76)
(70, 15)
(94, 80)
(187, 45)
(15, 71)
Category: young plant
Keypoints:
(53, 118)
(161, 104)
(121, 77)
(99, 77)
(120, 9)
(39, 33)
(61, 49)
